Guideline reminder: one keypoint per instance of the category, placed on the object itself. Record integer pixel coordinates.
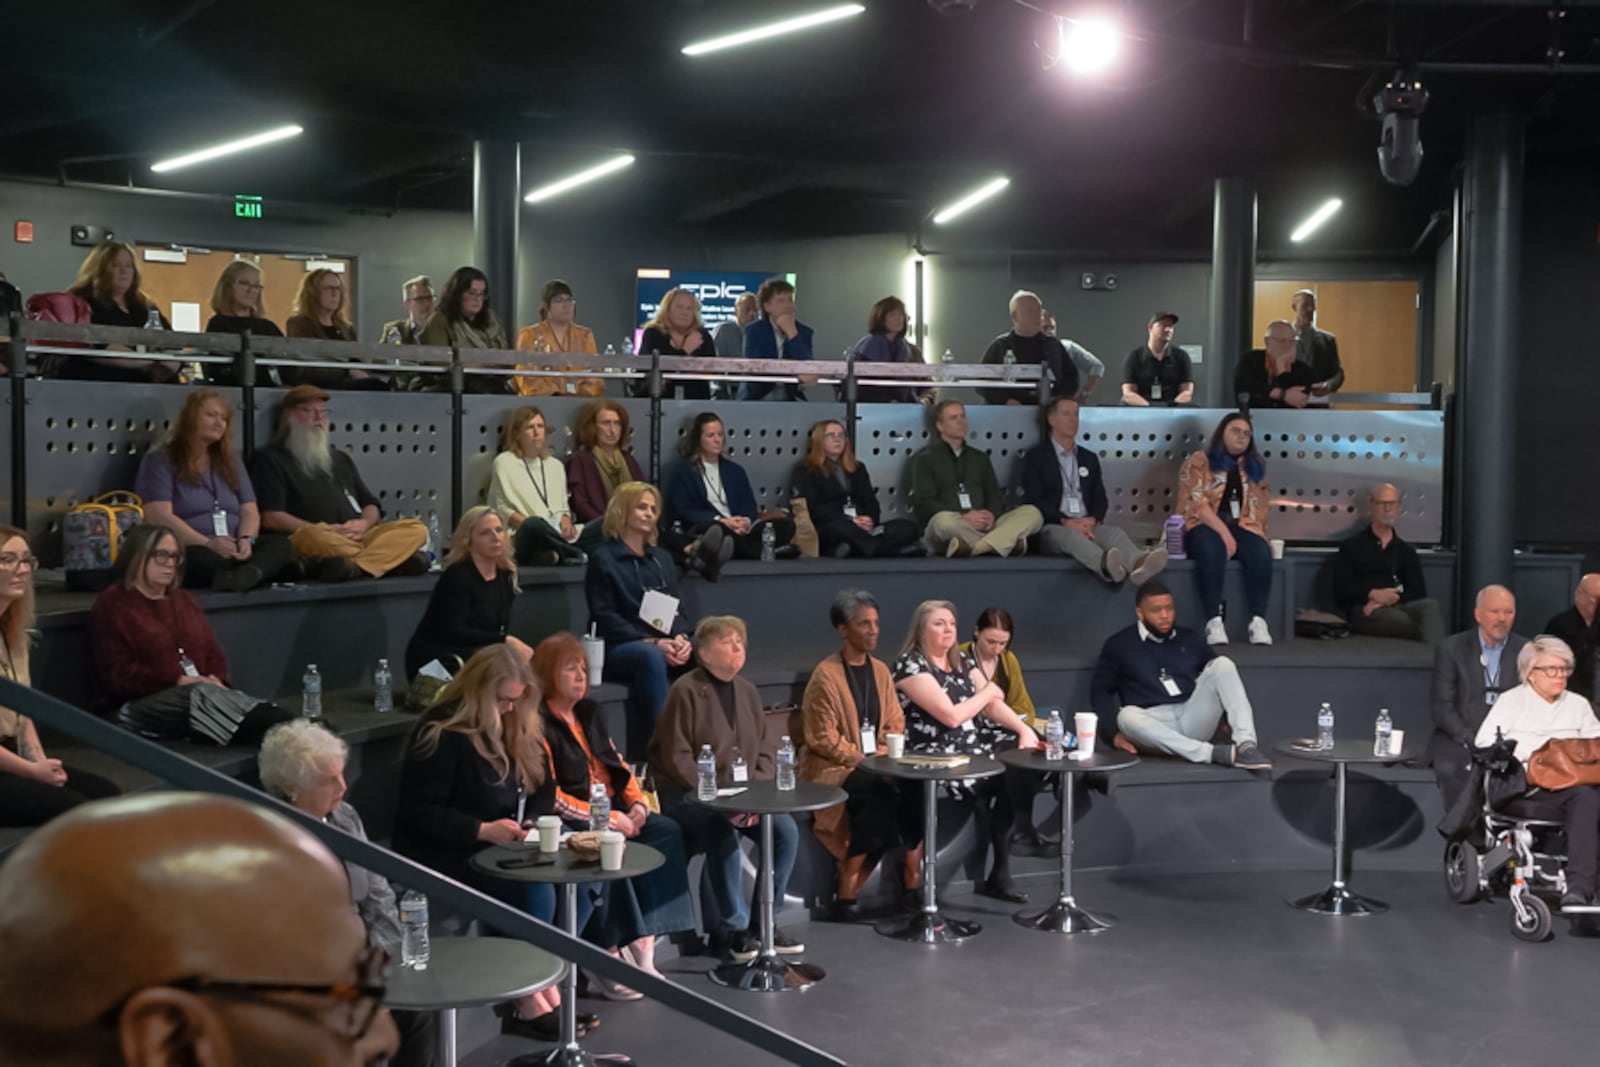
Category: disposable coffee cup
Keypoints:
(612, 844)
(595, 649)
(1277, 547)
(549, 832)
(896, 743)
(1084, 722)
(1397, 742)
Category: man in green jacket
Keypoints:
(957, 498)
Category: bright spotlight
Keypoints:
(971, 200)
(1315, 220)
(1089, 45)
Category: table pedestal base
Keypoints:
(928, 928)
(1064, 917)
(768, 974)
(569, 1056)
(1338, 900)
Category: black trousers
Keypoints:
(202, 567)
(745, 546)
(897, 536)
(25, 802)
(1578, 809)
(883, 813)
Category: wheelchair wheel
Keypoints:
(1535, 926)
(1463, 873)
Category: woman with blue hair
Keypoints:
(1223, 498)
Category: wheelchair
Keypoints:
(1520, 857)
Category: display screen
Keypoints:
(717, 290)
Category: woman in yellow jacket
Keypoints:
(556, 331)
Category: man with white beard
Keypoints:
(312, 492)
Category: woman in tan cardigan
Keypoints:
(1224, 501)
(850, 707)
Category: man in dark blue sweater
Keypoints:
(1167, 690)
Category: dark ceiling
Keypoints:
(864, 126)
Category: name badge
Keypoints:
(970, 727)
(964, 498)
(1074, 507)
(1233, 506)
(1490, 696)
(572, 387)
(189, 669)
(1400, 587)
(741, 772)
(1155, 390)
(849, 509)
(351, 498)
(219, 521)
(869, 740)
(1170, 685)
(657, 610)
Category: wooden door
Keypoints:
(1375, 322)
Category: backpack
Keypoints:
(58, 307)
(91, 536)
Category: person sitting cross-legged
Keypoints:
(957, 498)
(1167, 690)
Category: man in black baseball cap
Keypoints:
(1158, 372)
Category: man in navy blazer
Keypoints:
(1062, 479)
(1470, 671)
(777, 334)
(1167, 690)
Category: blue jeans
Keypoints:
(654, 903)
(1254, 555)
(722, 878)
(643, 669)
(539, 900)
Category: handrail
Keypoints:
(178, 771)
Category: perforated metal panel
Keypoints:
(5, 466)
(766, 439)
(487, 416)
(400, 442)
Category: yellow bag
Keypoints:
(91, 537)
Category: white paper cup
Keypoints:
(1397, 742)
(612, 844)
(896, 743)
(1085, 723)
(549, 832)
(1276, 544)
(595, 649)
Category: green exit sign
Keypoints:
(247, 207)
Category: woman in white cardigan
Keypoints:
(528, 489)
(1538, 711)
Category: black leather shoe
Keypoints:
(1034, 844)
(843, 911)
(1002, 889)
(587, 1020)
(546, 1027)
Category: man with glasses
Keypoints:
(183, 929)
(417, 296)
(1026, 342)
(312, 492)
(1470, 671)
(1377, 578)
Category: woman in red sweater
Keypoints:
(156, 659)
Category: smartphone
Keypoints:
(522, 863)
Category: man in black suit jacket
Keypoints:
(1063, 481)
(1575, 626)
(1470, 671)
(1316, 348)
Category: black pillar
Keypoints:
(1233, 285)
(1486, 380)
(496, 220)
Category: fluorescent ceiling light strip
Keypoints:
(1318, 217)
(774, 29)
(610, 166)
(282, 133)
(971, 200)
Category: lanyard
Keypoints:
(541, 489)
(1491, 681)
(662, 578)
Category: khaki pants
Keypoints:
(1009, 528)
(385, 546)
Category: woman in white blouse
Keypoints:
(1540, 710)
(528, 489)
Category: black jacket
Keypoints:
(1039, 350)
(1253, 379)
(464, 613)
(1457, 692)
(1041, 482)
(569, 765)
(615, 585)
(1320, 350)
(1362, 565)
(825, 497)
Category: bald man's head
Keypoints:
(1586, 595)
(1495, 610)
(107, 905)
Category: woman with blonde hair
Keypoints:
(238, 306)
(474, 775)
(195, 485)
(470, 605)
(320, 314)
(33, 787)
(623, 569)
(843, 504)
(676, 330)
(528, 488)
(109, 282)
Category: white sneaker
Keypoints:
(1259, 634)
(1215, 633)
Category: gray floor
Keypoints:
(1204, 970)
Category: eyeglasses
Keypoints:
(161, 555)
(477, 294)
(11, 562)
(420, 298)
(833, 435)
(562, 300)
(254, 287)
(356, 1003)
(1553, 672)
(331, 288)
(1386, 503)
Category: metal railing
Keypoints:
(185, 774)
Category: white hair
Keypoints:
(292, 754)
(310, 446)
(1020, 295)
(1543, 645)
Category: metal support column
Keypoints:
(1486, 371)
(17, 371)
(458, 414)
(1233, 282)
(497, 220)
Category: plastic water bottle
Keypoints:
(627, 347)
(611, 350)
(1384, 734)
(1055, 746)
(599, 807)
(382, 687)
(707, 789)
(1325, 727)
(414, 950)
(786, 763)
(152, 321)
(311, 693)
(1173, 530)
(769, 543)
(435, 542)
(949, 357)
